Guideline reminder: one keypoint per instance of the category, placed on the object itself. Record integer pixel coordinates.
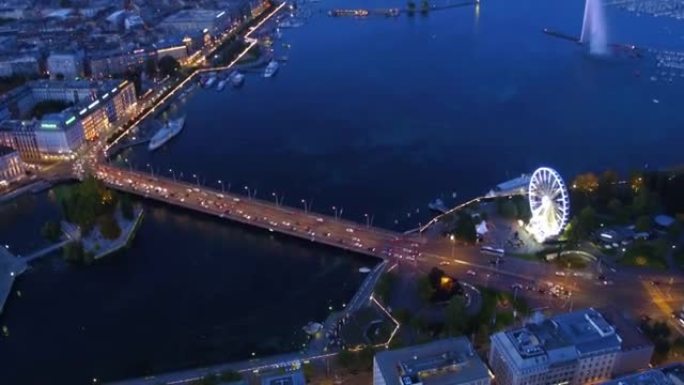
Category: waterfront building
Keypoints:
(58, 135)
(449, 361)
(669, 375)
(116, 62)
(20, 136)
(67, 64)
(197, 20)
(98, 106)
(574, 348)
(11, 166)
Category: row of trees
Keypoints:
(424, 7)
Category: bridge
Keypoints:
(269, 216)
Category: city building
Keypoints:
(192, 21)
(66, 65)
(576, 348)
(669, 375)
(449, 361)
(20, 136)
(13, 65)
(11, 166)
(97, 107)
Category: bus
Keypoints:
(492, 251)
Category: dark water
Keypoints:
(377, 116)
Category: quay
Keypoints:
(269, 216)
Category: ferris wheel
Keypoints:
(549, 203)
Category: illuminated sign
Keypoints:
(221, 14)
(49, 126)
(83, 111)
(113, 89)
(93, 104)
(70, 120)
(105, 96)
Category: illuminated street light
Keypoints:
(221, 183)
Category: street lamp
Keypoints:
(249, 194)
(304, 203)
(151, 169)
(221, 183)
(173, 174)
(334, 211)
(196, 179)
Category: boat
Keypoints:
(221, 85)
(237, 78)
(438, 205)
(210, 81)
(312, 328)
(166, 133)
(364, 270)
(271, 69)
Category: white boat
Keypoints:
(221, 85)
(364, 270)
(271, 69)
(210, 81)
(312, 328)
(166, 133)
(237, 78)
(438, 205)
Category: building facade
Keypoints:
(101, 105)
(11, 166)
(67, 64)
(576, 348)
(449, 361)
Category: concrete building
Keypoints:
(19, 65)
(67, 64)
(197, 20)
(11, 166)
(58, 135)
(669, 375)
(99, 105)
(576, 348)
(20, 136)
(443, 362)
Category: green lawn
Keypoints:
(571, 261)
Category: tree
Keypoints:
(424, 6)
(585, 183)
(411, 7)
(425, 289)
(507, 208)
(168, 66)
(150, 67)
(109, 227)
(674, 231)
(464, 228)
(645, 202)
(133, 76)
(384, 287)
(617, 210)
(51, 231)
(586, 221)
(643, 224)
(455, 318)
(73, 252)
(607, 185)
(126, 207)
(345, 359)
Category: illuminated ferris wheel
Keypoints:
(549, 203)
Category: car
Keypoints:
(560, 274)
(444, 263)
(349, 230)
(471, 273)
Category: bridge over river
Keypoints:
(268, 215)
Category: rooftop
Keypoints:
(649, 377)
(565, 336)
(447, 361)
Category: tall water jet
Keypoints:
(594, 28)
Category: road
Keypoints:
(269, 216)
